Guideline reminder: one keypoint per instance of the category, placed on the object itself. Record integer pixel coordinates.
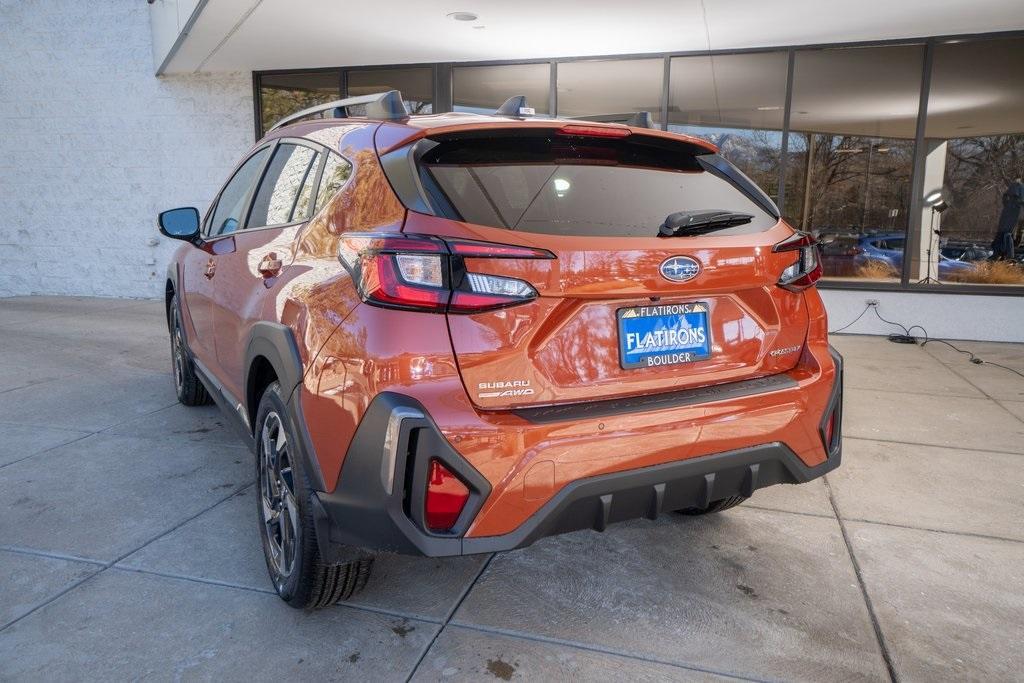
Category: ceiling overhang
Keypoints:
(191, 36)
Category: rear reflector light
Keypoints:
(829, 430)
(423, 273)
(806, 270)
(573, 130)
(446, 497)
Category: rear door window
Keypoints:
(277, 201)
(591, 187)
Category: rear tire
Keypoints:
(187, 386)
(717, 506)
(287, 529)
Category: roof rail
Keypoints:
(516, 107)
(386, 106)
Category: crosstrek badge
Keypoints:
(517, 387)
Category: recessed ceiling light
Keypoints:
(479, 26)
(463, 16)
(774, 108)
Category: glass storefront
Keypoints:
(416, 85)
(899, 194)
(851, 153)
(737, 102)
(610, 89)
(974, 135)
(482, 89)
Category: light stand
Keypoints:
(936, 201)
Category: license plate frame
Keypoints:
(681, 326)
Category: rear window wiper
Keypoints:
(684, 223)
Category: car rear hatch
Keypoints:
(600, 291)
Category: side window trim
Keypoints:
(324, 154)
(247, 204)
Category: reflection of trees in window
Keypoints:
(281, 95)
(755, 152)
(978, 172)
(856, 184)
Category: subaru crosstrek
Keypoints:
(454, 334)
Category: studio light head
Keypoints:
(936, 200)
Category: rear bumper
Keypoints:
(397, 437)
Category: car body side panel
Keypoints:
(195, 292)
(240, 295)
(315, 293)
(375, 350)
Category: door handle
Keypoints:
(211, 269)
(270, 266)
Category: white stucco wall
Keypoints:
(944, 316)
(93, 146)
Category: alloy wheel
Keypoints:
(178, 352)
(277, 498)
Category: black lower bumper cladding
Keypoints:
(360, 515)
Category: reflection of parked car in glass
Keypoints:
(846, 255)
(888, 249)
(965, 251)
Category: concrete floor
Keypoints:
(129, 548)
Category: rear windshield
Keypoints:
(583, 186)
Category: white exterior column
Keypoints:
(934, 175)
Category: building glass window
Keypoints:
(482, 89)
(611, 90)
(851, 151)
(284, 94)
(974, 144)
(737, 102)
(415, 83)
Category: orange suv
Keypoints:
(454, 334)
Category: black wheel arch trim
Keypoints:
(276, 343)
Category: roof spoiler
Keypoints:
(386, 106)
(515, 107)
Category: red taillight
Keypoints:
(806, 270)
(425, 273)
(574, 130)
(446, 497)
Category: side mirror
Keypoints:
(180, 224)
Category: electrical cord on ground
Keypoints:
(908, 338)
(850, 324)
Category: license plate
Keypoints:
(655, 336)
